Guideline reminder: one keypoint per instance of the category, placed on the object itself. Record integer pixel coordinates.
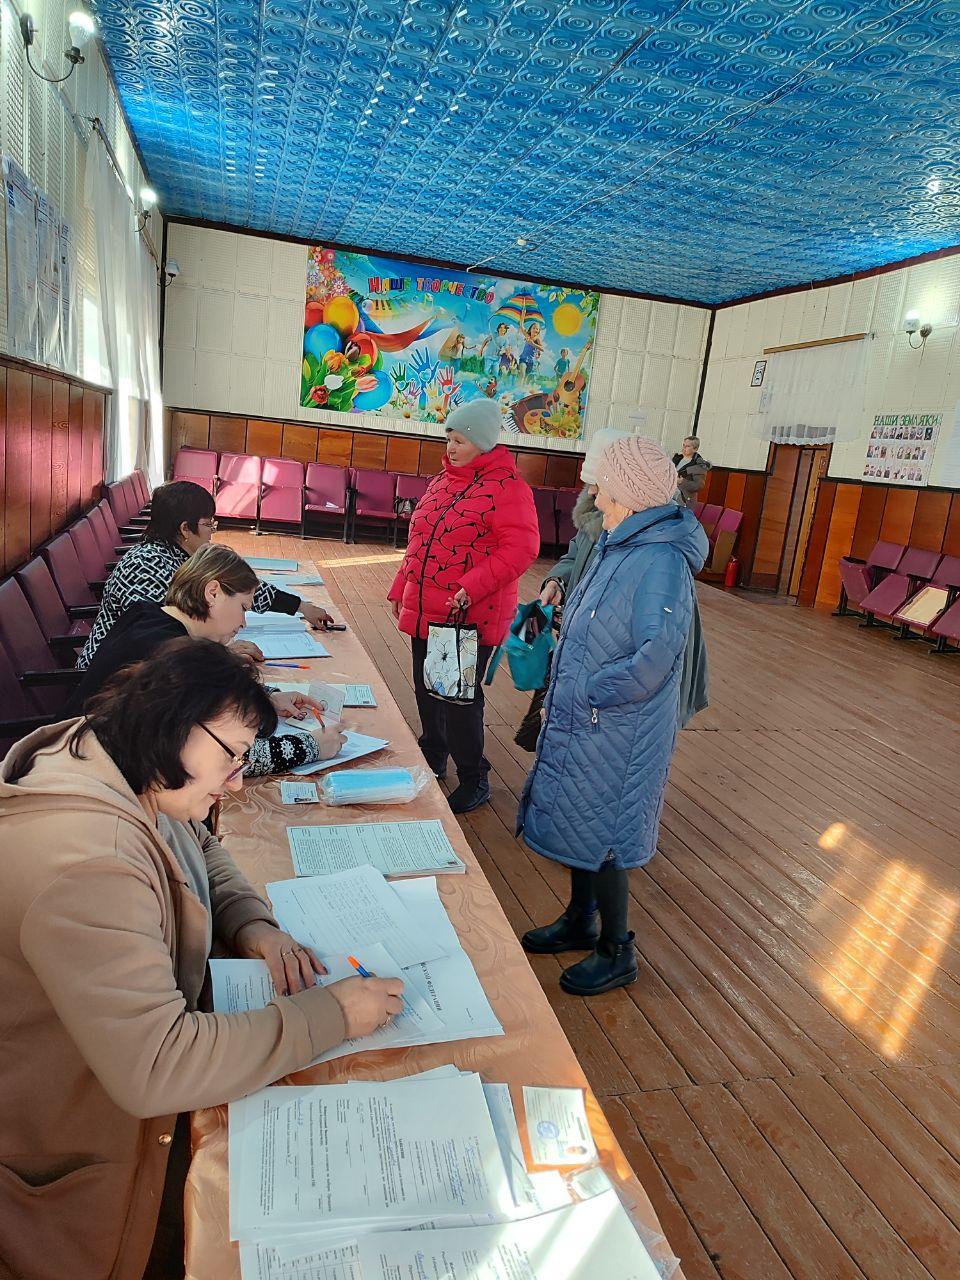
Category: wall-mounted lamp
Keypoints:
(912, 325)
(81, 28)
(148, 202)
(171, 271)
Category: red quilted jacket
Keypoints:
(475, 527)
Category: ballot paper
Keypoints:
(242, 985)
(331, 697)
(364, 1154)
(271, 621)
(358, 695)
(299, 793)
(325, 1262)
(449, 984)
(272, 566)
(284, 643)
(356, 745)
(342, 913)
(594, 1240)
(394, 848)
(557, 1126)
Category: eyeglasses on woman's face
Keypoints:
(240, 761)
(208, 526)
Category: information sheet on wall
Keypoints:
(901, 448)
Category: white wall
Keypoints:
(234, 327)
(37, 130)
(898, 379)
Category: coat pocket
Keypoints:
(69, 1226)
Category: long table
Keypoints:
(533, 1049)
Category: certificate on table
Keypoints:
(394, 848)
(557, 1127)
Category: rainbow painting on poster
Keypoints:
(406, 341)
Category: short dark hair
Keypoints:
(174, 504)
(144, 715)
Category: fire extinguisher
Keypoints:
(732, 573)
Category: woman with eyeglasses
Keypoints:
(112, 893)
(181, 520)
(207, 599)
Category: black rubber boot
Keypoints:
(613, 964)
(469, 796)
(574, 931)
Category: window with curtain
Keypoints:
(814, 395)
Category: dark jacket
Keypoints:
(612, 713)
(691, 476)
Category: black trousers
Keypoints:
(452, 728)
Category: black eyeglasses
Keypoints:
(240, 762)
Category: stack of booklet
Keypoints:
(278, 636)
(417, 1177)
(394, 930)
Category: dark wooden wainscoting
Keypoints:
(51, 456)
(343, 447)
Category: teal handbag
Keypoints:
(528, 647)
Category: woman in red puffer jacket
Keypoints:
(473, 535)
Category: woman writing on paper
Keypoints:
(593, 798)
(207, 599)
(113, 893)
(474, 533)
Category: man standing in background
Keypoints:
(691, 470)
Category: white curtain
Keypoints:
(133, 431)
(814, 395)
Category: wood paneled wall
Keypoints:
(378, 451)
(740, 491)
(51, 457)
(850, 517)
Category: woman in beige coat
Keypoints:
(111, 895)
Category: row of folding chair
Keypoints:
(722, 526)
(47, 608)
(909, 589)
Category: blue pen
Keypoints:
(364, 973)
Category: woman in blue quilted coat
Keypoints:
(593, 798)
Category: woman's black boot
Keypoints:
(613, 964)
(573, 931)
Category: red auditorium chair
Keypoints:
(88, 553)
(326, 493)
(238, 486)
(142, 486)
(410, 489)
(61, 629)
(373, 498)
(859, 577)
(565, 501)
(543, 500)
(105, 543)
(891, 594)
(281, 492)
(946, 630)
(696, 508)
(45, 681)
(71, 581)
(120, 541)
(723, 540)
(198, 466)
(20, 716)
(918, 616)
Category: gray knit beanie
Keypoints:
(479, 421)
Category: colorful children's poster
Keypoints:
(406, 341)
(901, 447)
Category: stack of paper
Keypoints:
(269, 565)
(394, 848)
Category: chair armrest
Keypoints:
(77, 611)
(68, 642)
(61, 675)
(26, 724)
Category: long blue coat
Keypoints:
(596, 787)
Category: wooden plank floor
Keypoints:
(785, 1076)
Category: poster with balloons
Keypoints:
(406, 341)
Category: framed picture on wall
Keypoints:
(759, 369)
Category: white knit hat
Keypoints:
(600, 441)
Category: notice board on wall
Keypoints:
(901, 448)
(42, 306)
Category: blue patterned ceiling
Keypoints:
(703, 149)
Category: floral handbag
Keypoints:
(450, 667)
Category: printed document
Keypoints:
(594, 1240)
(394, 848)
(557, 1126)
(272, 566)
(340, 914)
(283, 643)
(356, 745)
(364, 1153)
(332, 698)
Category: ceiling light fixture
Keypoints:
(80, 26)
